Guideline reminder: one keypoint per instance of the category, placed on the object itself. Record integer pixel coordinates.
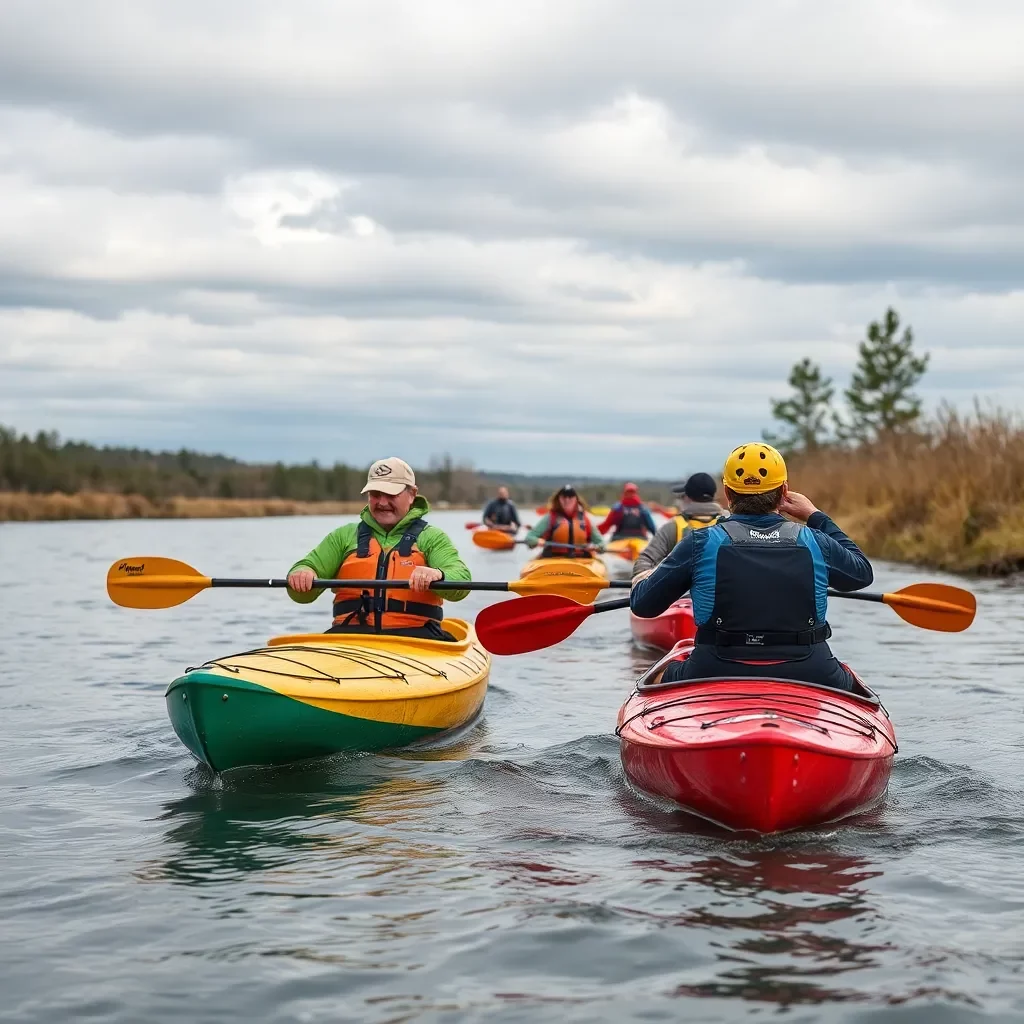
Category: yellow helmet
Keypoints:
(754, 468)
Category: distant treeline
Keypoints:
(45, 464)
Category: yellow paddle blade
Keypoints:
(565, 579)
(494, 540)
(934, 606)
(148, 581)
(600, 510)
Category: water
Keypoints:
(513, 876)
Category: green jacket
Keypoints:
(438, 550)
(536, 535)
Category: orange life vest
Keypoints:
(566, 531)
(385, 609)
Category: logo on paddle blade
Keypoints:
(131, 570)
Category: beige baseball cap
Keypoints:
(391, 476)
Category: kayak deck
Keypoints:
(310, 695)
(666, 630)
(758, 754)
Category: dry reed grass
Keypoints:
(21, 507)
(951, 497)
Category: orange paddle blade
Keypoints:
(934, 606)
(562, 576)
(149, 581)
(494, 540)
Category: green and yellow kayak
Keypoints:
(312, 695)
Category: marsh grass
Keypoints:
(950, 496)
(17, 506)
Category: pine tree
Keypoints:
(805, 413)
(880, 395)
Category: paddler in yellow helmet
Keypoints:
(759, 580)
(392, 540)
(698, 509)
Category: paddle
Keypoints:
(516, 627)
(153, 582)
(473, 526)
(532, 623)
(935, 606)
(495, 540)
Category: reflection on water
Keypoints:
(509, 873)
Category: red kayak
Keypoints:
(762, 754)
(664, 631)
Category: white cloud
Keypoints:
(582, 237)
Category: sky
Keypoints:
(574, 237)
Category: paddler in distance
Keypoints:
(566, 530)
(630, 517)
(391, 541)
(758, 580)
(698, 510)
(501, 513)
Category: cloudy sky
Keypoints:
(572, 237)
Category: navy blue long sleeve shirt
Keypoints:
(848, 566)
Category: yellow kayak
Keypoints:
(311, 695)
(631, 546)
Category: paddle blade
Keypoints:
(529, 624)
(148, 581)
(494, 540)
(934, 606)
(564, 578)
(472, 526)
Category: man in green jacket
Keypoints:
(392, 540)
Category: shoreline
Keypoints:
(18, 507)
(995, 552)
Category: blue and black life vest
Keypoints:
(769, 586)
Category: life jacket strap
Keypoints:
(729, 638)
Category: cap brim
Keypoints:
(384, 488)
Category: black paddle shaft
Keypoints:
(386, 584)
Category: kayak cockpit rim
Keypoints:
(864, 694)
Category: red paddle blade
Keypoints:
(472, 526)
(529, 623)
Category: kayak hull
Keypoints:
(664, 631)
(757, 754)
(304, 697)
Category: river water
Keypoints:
(512, 876)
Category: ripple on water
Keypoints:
(510, 873)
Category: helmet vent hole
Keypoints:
(763, 456)
(763, 471)
(739, 472)
(741, 454)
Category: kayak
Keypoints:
(664, 631)
(631, 546)
(758, 754)
(568, 566)
(311, 695)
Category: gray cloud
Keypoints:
(588, 236)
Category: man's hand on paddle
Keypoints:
(301, 581)
(422, 576)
